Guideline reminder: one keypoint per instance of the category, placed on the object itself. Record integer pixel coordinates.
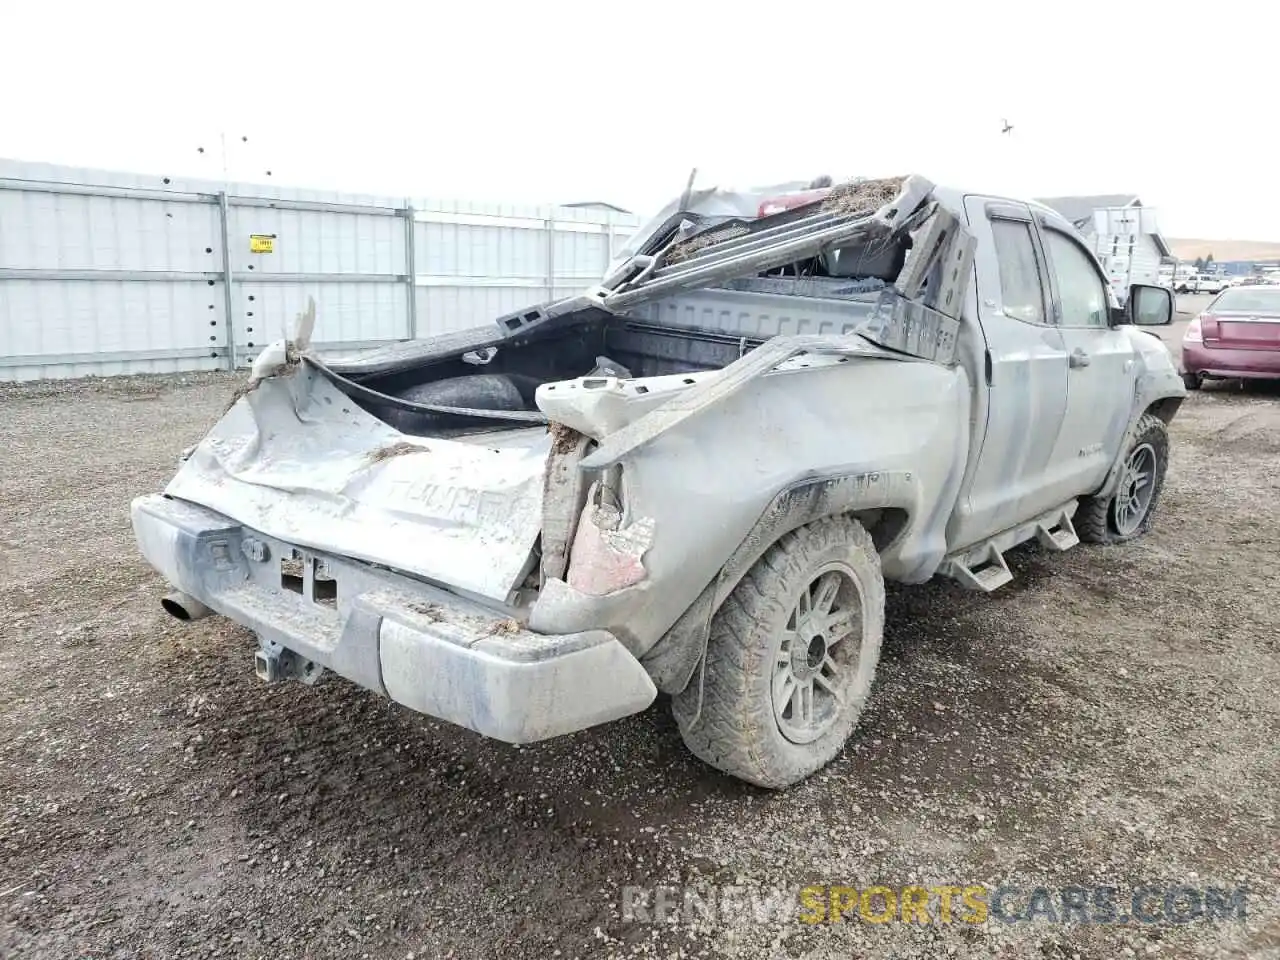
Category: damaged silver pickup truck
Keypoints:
(695, 477)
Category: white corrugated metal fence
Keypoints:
(110, 273)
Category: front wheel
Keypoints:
(790, 658)
(1130, 511)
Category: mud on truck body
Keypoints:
(693, 478)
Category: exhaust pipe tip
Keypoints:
(184, 607)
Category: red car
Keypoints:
(1238, 335)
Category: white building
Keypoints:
(1122, 232)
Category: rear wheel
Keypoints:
(1130, 511)
(1192, 381)
(790, 659)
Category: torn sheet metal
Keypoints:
(709, 392)
(714, 203)
(599, 406)
(298, 461)
(910, 306)
(607, 555)
(770, 245)
(855, 198)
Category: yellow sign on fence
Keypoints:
(262, 242)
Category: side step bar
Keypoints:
(983, 567)
(1059, 534)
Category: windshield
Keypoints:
(1250, 300)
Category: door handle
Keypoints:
(1078, 358)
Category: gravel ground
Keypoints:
(1111, 716)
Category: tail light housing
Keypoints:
(1203, 328)
(608, 553)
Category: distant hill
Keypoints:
(1225, 249)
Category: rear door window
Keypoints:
(1021, 285)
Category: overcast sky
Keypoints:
(562, 101)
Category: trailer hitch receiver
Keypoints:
(273, 662)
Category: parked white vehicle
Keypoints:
(1201, 283)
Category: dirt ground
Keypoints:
(1109, 717)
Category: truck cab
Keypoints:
(1054, 373)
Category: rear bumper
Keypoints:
(422, 646)
(1223, 362)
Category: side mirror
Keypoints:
(1149, 306)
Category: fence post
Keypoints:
(550, 226)
(411, 266)
(224, 211)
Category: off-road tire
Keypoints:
(1095, 520)
(735, 729)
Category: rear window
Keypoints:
(1250, 300)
